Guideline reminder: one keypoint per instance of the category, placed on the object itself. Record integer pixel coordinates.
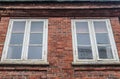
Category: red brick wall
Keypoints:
(60, 52)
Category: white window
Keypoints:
(93, 40)
(26, 40)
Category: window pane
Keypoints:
(105, 52)
(100, 26)
(16, 38)
(14, 52)
(102, 38)
(83, 39)
(37, 26)
(18, 26)
(35, 52)
(85, 52)
(82, 27)
(36, 38)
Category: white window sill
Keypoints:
(24, 63)
(96, 63)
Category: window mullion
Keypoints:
(25, 42)
(94, 43)
(23, 49)
(28, 38)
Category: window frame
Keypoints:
(93, 43)
(24, 52)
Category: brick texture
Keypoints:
(60, 51)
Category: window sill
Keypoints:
(96, 63)
(24, 63)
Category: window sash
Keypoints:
(26, 39)
(93, 40)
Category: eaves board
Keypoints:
(59, 0)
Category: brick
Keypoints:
(60, 51)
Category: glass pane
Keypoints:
(18, 26)
(100, 26)
(37, 26)
(36, 38)
(85, 53)
(105, 52)
(82, 27)
(35, 52)
(83, 39)
(16, 38)
(102, 38)
(14, 52)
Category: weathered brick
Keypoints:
(60, 51)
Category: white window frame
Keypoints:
(26, 41)
(93, 41)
